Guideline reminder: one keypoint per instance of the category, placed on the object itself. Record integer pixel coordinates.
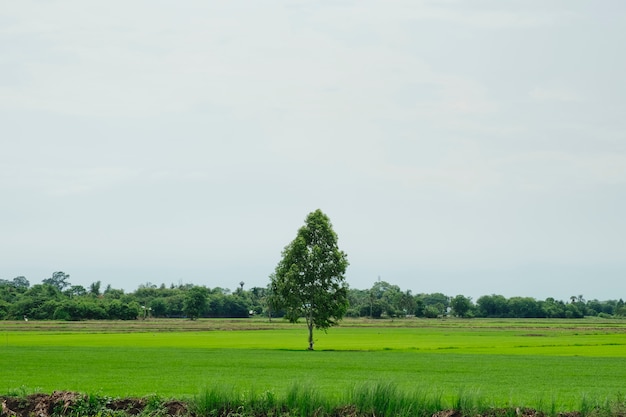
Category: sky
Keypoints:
(459, 147)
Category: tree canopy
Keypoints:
(309, 279)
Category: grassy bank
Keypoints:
(364, 399)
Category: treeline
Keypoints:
(55, 298)
(387, 300)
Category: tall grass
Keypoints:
(375, 399)
(596, 407)
(299, 400)
(379, 399)
(215, 401)
(306, 401)
(383, 399)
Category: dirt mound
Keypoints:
(39, 405)
(61, 403)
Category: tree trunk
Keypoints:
(310, 325)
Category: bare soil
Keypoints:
(64, 403)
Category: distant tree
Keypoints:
(58, 280)
(158, 306)
(389, 297)
(39, 303)
(359, 301)
(573, 312)
(216, 304)
(524, 307)
(195, 302)
(94, 288)
(220, 290)
(552, 308)
(130, 311)
(435, 299)
(309, 279)
(113, 293)
(432, 311)
(258, 299)
(76, 291)
(461, 305)
(372, 310)
(407, 303)
(418, 310)
(492, 306)
(10, 291)
(21, 283)
(234, 307)
(175, 305)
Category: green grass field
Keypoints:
(504, 362)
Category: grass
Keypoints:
(465, 364)
(377, 399)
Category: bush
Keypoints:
(61, 313)
(431, 312)
(4, 309)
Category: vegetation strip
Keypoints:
(367, 399)
(55, 298)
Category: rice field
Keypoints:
(500, 362)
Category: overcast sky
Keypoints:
(464, 147)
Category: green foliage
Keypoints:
(385, 299)
(58, 280)
(120, 310)
(309, 280)
(365, 400)
(384, 399)
(305, 400)
(90, 405)
(94, 288)
(4, 309)
(461, 305)
(195, 304)
(432, 312)
(154, 407)
(217, 400)
(57, 299)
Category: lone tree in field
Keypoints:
(309, 280)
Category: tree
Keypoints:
(309, 279)
(58, 280)
(388, 296)
(75, 291)
(94, 288)
(524, 307)
(21, 283)
(194, 303)
(493, 305)
(461, 305)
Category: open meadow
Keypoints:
(498, 362)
